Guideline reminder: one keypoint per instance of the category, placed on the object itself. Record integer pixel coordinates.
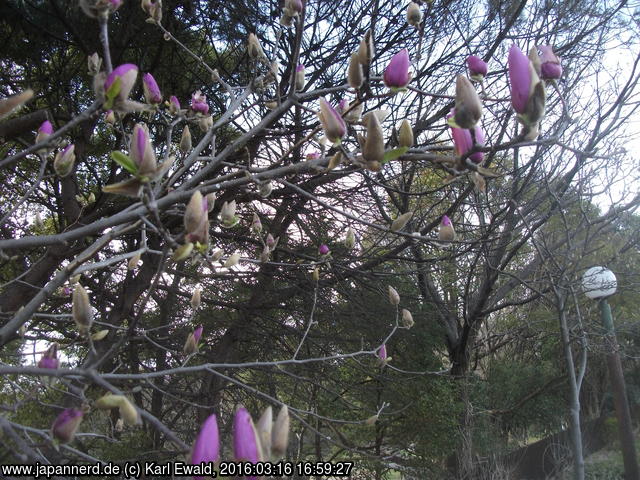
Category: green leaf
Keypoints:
(393, 154)
(124, 161)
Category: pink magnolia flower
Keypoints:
(128, 74)
(206, 448)
(141, 151)
(382, 353)
(396, 75)
(446, 221)
(44, 131)
(520, 78)
(197, 333)
(151, 90)
(174, 105)
(50, 358)
(199, 102)
(323, 249)
(65, 425)
(478, 68)
(246, 446)
(463, 142)
(550, 67)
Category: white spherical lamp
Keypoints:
(599, 282)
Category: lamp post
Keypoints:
(599, 283)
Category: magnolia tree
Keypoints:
(218, 210)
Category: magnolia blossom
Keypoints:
(246, 445)
(151, 90)
(528, 94)
(199, 102)
(323, 249)
(64, 161)
(44, 131)
(206, 448)
(396, 75)
(174, 105)
(141, 150)
(382, 353)
(463, 142)
(550, 67)
(478, 68)
(50, 358)
(332, 122)
(446, 232)
(65, 425)
(300, 80)
(125, 75)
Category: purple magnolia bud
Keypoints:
(65, 425)
(50, 358)
(199, 102)
(206, 448)
(197, 333)
(46, 128)
(44, 131)
(151, 90)
(446, 232)
(382, 353)
(477, 67)
(332, 122)
(246, 445)
(141, 150)
(323, 249)
(520, 70)
(550, 68)
(127, 73)
(463, 142)
(396, 75)
(343, 105)
(174, 105)
(300, 81)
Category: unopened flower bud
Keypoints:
(350, 239)
(446, 232)
(94, 62)
(394, 297)
(280, 435)
(323, 249)
(271, 242)
(64, 161)
(129, 412)
(396, 75)
(371, 420)
(355, 75)
(66, 424)
(228, 214)
(414, 15)
(100, 335)
(182, 252)
(151, 90)
(44, 131)
(366, 50)
(217, 255)
(468, 105)
(199, 102)
(195, 212)
(478, 68)
(300, 80)
(174, 105)
(81, 310)
(110, 117)
(196, 298)
(407, 318)
(373, 150)
(256, 224)
(133, 262)
(232, 260)
(265, 189)
(405, 134)
(332, 122)
(316, 274)
(264, 427)
(400, 222)
(49, 359)
(254, 49)
(205, 123)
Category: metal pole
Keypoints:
(627, 442)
